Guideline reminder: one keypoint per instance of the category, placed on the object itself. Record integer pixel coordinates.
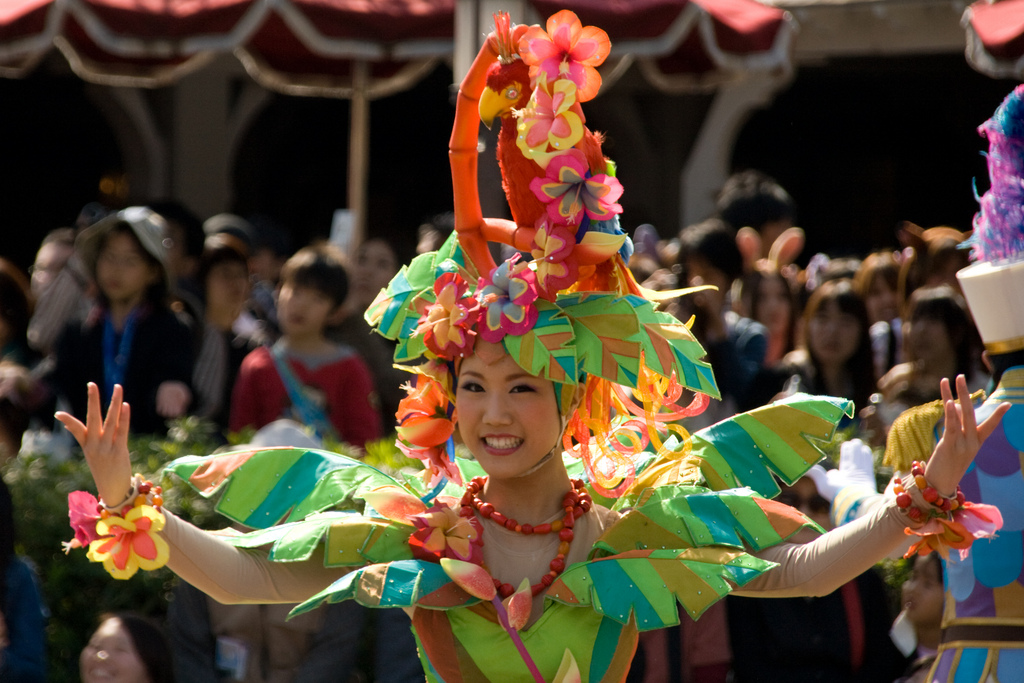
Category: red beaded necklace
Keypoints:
(577, 502)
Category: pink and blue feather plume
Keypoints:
(999, 225)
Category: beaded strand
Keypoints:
(576, 503)
(941, 505)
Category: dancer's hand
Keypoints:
(961, 438)
(105, 444)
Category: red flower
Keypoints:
(447, 324)
(567, 49)
(423, 418)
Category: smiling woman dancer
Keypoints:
(585, 513)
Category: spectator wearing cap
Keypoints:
(268, 249)
(229, 224)
(131, 337)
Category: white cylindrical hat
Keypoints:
(995, 294)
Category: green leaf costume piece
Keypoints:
(603, 334)
(683, 537)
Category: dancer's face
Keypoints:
(508, 418)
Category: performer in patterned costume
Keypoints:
(983, 621)
(584, 513)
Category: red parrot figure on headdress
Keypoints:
(510, 83)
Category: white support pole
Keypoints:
(143, 144)
(199, 155)
(359, 150)
(708, 164)
(466, 42)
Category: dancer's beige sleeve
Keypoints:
(233, 575)
(826, 563)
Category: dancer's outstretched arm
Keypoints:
(228, 574)
(819, 567)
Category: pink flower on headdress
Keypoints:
(567, 49)
(569, 190)
(550, 120)
(508, 298)
(424, 427)
(447, 324)
(82, 512)
(442, 532)
(556, 268)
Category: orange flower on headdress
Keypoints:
(447, 324)
(130, 543)
(567, 49)
(426, 420)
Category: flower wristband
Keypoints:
(942, 522)
(140, 487)
(124, 538)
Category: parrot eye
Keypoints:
(512, 93)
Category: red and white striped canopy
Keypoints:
(310, 46)
(995, 38)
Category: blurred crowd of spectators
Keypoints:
(225, 320)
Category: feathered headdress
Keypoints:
(573, 313)
(999, 225)
(994, 284)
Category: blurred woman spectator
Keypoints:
(834, 357)
(224, 278)
(935, 256)
(939, 340)
(131, 337)
(765, 296)
(126, 648)
(877, 282)
(371, 270)
(22, 613)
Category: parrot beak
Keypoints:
(491, 106)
